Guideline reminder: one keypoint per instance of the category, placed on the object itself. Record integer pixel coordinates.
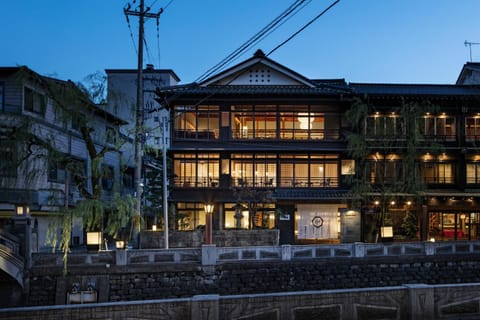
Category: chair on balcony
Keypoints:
(242, 182)
(269, 182)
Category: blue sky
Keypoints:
(391, 41)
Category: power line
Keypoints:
(252, 40)
(303, 28)
(166, 101)
(130, 29)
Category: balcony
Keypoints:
(258, 182)
(286, 134)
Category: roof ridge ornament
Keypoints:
(259, 54)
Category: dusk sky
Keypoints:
(391, 41)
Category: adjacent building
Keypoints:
(45, 153)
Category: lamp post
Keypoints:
(208, 222)
(23, 227)
(22, 210)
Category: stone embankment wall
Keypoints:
(157, 281)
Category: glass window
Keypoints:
(57, 172)
(111, 135)
(348, 167)
(438, 127)
(438, 173)
(384, 126)
(34, 101)
(128, 179)
(108, 176)
(189, 216)
(236, 216)
(200, 170)
(386, 169)
(473, 172)
(8, 165)
(472, 128)
(197, 122)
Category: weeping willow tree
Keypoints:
(42, 148)
(398, 139)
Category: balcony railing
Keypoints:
(197, 135)
(324, 182)
(257, 182)
(287, 134)
(439, 180)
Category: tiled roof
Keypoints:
(414, 89)
(328, 87)
(321, 89)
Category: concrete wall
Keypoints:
(401, 302)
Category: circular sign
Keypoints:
(317, 221)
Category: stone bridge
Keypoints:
(11, 262)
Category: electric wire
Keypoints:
(252, 40)
(249, 42)
(158, 42)
(303, 28)
(165, 103)
(131, 32)
(274, 29)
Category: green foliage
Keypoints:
(96, 215)
(121, 214)
(38, 149)
(409, 225)
(363, 144)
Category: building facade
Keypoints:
(45, 153)
(324, 160)
(122, 101)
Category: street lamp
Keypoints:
(22, 210)
(208, 222)
(94, 240)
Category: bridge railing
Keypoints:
(213, 255)
(9, 242)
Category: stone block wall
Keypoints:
(221, 238)
(160, 281)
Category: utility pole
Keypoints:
(141, 13)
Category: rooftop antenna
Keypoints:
(470, 44)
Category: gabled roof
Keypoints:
(44, 81)
(258, 76)
(467, 70)
(258, 70)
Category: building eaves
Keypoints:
(145, 71)
(414, 89)
(254, 90)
